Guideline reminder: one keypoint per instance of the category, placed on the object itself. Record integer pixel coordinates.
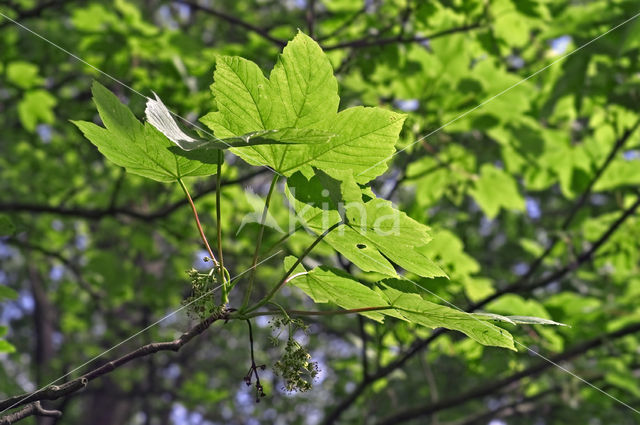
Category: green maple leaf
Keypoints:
(300, 93)
(139, 148)
(374, 233)
(496, 189)
(413, 308)
(327, 285)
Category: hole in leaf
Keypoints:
(361, 246)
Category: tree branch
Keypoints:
(491, 387)
(96, 293)
(33, 409)
(99, 213)
(54, 392)
(580, 203)
(516, 287)
(506, 410)
(234, 21)
(581, 259)
(400, 39)
(346, 24)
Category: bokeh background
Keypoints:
(531, 199)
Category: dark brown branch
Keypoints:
(54, 392)
(507, 409)
(346, 24)
(516, 287)
(491, 387)
(310, 16)
(398, 39)
(99, 213)
(585, 256)
(519, 285)
(33, 409)
(234, 21)
(535, 265)
(95, 293)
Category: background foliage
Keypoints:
(531, 198)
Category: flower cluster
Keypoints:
(295, 366)
(201, 301)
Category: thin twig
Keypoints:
(219, 228)
(253, 370)
(399, 39)
(54, 392)
(491, 387)
(195, 215)
(285, 278)
(256, 253)
(235, 21)
(100, 213)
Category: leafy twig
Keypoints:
(195, 215)
(221, 271)
(316, 313)
(285, 278)
(247, 294)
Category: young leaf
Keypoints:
(141, 149)
(301, 93)
(496, 189)
(374, 232)
(328, 285)
(413, 308)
